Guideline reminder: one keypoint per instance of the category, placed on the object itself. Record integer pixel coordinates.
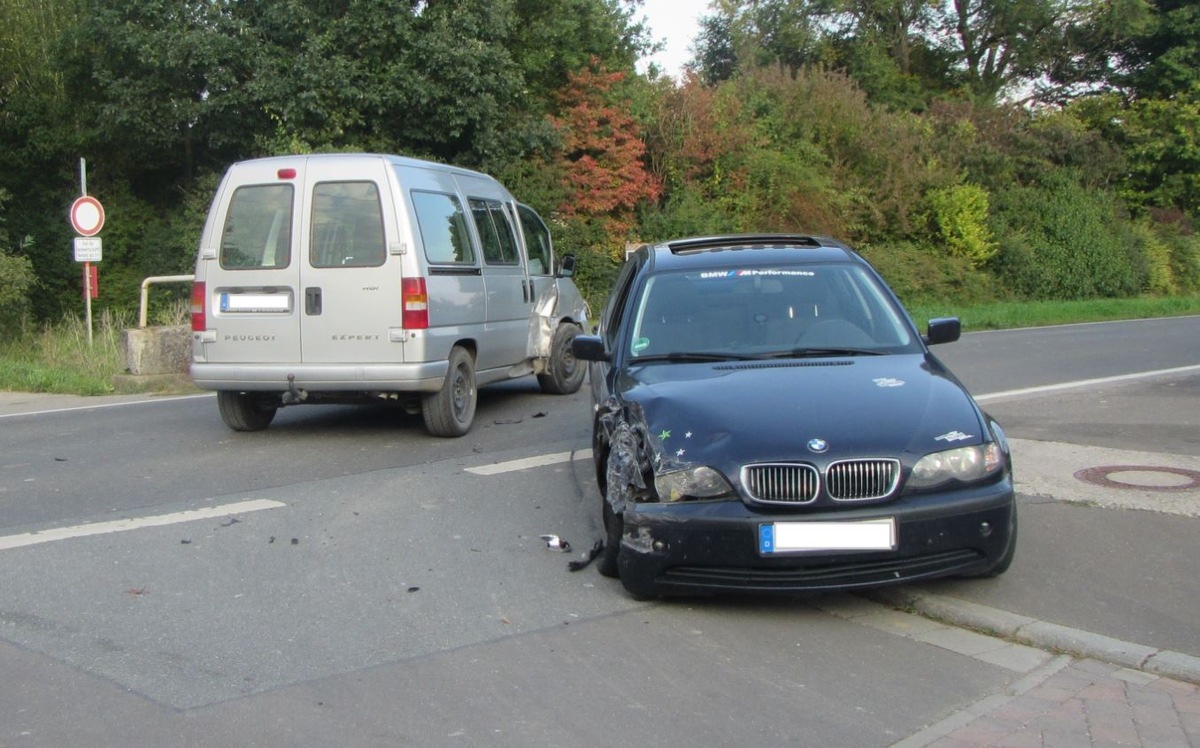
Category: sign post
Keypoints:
(87, 218)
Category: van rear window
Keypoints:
(347, 226)
(443, 226)
(258, 228)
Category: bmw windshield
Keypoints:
(753, 313)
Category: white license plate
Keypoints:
(865, 535)
(256, 302)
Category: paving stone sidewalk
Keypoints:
(1075, 702)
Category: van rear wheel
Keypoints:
(245, 411)
(451, 410)
(564, 373)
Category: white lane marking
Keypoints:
(98, 406)
(531, 462)
(1086, 383)
(134, 523)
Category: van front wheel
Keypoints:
(245, 411)
(451, 410)
(564, 373)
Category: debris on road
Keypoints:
(554, 543)
(587, 557)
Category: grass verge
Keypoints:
(59, 359)
(1007, 315)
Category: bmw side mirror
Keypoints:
(943, 330)
(588, 348)
(566, 268)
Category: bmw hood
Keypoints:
(816, 410)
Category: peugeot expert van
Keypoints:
(356, 277)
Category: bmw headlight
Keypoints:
(693, 483)
(963, 464)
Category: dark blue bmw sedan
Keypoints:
(768, 419)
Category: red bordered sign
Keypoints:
(87, 216)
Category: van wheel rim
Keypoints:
(462, 395)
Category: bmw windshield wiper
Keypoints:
(694, 356)
(824, 351)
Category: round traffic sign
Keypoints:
(87, 216)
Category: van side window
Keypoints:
(537, 240)
(347, 226)
(443, 227)
(495, 231)
(258, 228)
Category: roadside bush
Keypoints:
(1059, 240)
(1174, 247)
(16, 280)
(921, 274)
(960, 214)
(687, 213)
(1160, 274)
(1185, 261)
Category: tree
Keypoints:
(1162, 58)
(157, 84)
(551, 39)
(602, 155)
(758, 33)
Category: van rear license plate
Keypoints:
(793, 537)
(256, 302)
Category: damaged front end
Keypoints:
(640, 471)
(640, 467)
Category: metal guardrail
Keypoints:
(146, 292)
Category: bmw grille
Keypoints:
(794, 484)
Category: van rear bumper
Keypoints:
(424, 377)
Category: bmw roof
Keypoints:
(747, 249)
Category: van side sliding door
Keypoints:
(510, 295)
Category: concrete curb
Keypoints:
(1042, 634)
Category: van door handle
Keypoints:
(527, 291)
(312, 301)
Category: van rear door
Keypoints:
(350, 282)
(252, 274)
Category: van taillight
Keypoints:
(199, 319)
(416, 304)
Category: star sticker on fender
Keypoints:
(666, 434)
(679, 452)
(688, 435)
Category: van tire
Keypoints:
(451, 410)
(244, 411)
(564, 373)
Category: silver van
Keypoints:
(358, 277)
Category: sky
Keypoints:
(676, 22)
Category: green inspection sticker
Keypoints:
(641, 344)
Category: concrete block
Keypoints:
(157, 350)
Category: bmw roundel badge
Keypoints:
(818, 445)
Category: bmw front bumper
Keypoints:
(715, 546)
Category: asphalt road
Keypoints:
(384, 592)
